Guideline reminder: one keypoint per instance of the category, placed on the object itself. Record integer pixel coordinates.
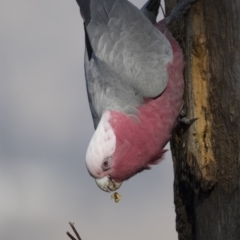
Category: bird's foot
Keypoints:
(183, 113)
(187, 121)
(183, 119)
(179, 10)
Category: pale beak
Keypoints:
(107, 184)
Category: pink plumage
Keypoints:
(141, 143)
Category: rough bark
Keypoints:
(207, 156)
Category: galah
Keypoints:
(134, 78)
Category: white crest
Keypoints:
(101, 146)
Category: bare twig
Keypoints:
(71, 236)
(75, 231)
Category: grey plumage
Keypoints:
(105, 90)
(128, 56)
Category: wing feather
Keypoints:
(131, 46)
(105, 91)
(128, 58)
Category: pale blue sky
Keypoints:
(45, 127)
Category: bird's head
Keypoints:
(120, 148)
(99, 157)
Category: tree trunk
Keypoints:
(207, 156)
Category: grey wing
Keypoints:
(130, 45)
(105, 90)
(89, 78)
(104, 87)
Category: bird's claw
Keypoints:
(179, 10)
(183, 112)
(187, 121)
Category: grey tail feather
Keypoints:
(88, 44)
(152, 6)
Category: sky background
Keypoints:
(45, 128)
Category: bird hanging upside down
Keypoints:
(134, 77)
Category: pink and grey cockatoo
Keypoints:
(134, 78)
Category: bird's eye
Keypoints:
(106, 164)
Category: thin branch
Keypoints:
(75, 231)
(71, 236)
